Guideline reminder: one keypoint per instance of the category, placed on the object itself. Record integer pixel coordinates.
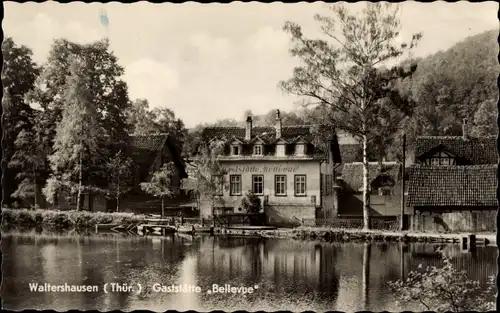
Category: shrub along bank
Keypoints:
(24, 219)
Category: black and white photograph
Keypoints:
(250, 156)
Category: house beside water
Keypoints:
(452, 186)
(281, 165)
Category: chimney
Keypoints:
(248, 129)
(465, 134)
(278, 124)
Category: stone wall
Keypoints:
(288, 215)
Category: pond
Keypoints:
(251, 273)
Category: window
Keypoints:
(300, 185)
(300, 149)
(257, 150)
(235, 185)
(440, 158)
(328, 184)
(280, 185)
(235, 150)
(280, 150)
(219, 182)
(258, 184)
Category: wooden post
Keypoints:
(403, 184)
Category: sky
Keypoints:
(213, 61)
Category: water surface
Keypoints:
(288, 275)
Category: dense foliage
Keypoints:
(162, 184)
(251, 203)
(445, 289)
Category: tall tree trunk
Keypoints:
(34, 186)
(366, 186)
(80, 178)
(118, 194)
(162, 207)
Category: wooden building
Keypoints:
(148, 153)
(453, 184)
(385, 190)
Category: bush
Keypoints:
(445, 289)
(23, 219)
(251, 203)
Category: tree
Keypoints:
(106, 89)
(118, 170)
(209, 174)
(159, 120)
(344, 73)
(251, 203)
(443, 289)
(30, 157)
(18, 78)
(140, 118)
(485, 119)
(76, 140)
(161, 184)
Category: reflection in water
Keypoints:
(288, 275)
(366, 274)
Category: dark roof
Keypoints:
(267, 133)
(352, 173)
(153, 142)
(145, 148)
(477, 151)
(472, 185)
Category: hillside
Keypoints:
(453, 84)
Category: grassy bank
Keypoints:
(356, 235)
(51, 220)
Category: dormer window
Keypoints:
(280, 150)
(235, 150)
(300, 149)
(257, 150)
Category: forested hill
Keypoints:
(460, 82)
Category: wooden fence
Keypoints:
(346, 223)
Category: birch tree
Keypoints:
(119, 174)
(344, 72)
(76, 139)
(161, 184)
(209, 174)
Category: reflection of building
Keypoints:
(280, 266)
(453, 184)
(280, 164)
(148, 154)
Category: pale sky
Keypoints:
(211, 61)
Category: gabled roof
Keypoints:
(352, 173)
(471, 185)
(477, 151)
(145, 148)
(257, 139)
(235, 139)
(300, 139)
